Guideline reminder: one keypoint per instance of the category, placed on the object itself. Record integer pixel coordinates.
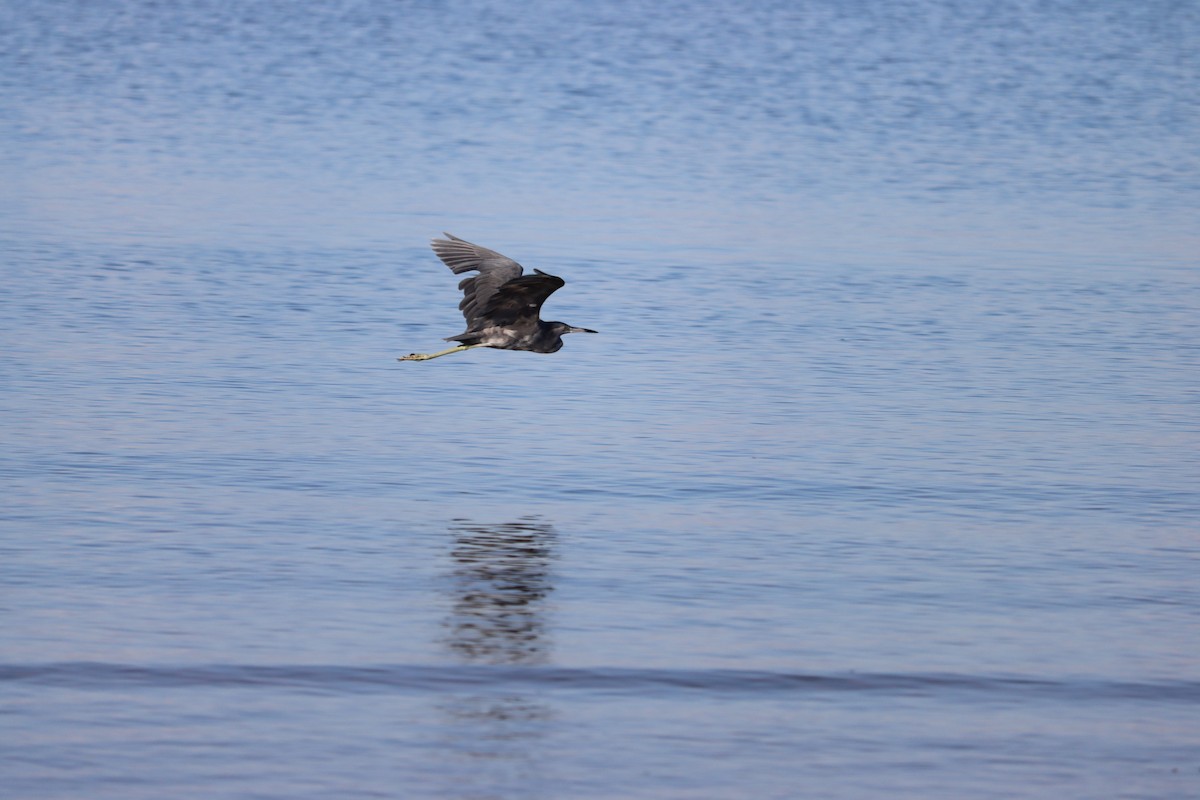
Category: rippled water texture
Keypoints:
(879, 480)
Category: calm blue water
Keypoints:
(882, 478)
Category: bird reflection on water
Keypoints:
(502, 576)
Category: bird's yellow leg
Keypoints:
(427, 356)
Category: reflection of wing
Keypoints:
(494, 271)
(521, 298)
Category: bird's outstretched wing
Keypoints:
(495, 270)
(520, 298)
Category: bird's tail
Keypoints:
(466, 338)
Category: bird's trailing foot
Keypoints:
(427, 356)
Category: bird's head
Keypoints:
(561, 328)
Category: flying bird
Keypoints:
(501, 304)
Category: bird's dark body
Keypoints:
(546, 338)
(501, 304)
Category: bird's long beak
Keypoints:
(581, 330)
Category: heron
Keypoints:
(501, 304)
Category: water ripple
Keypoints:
(334, 679)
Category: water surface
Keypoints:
(880, 479)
